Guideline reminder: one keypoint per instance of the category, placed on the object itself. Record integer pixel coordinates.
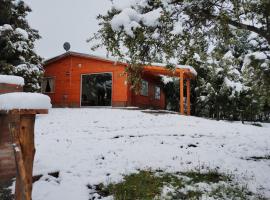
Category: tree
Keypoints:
(17, 55)
(221, 39)
(153, 28)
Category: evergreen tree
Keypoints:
(226, 41)
(17, 55)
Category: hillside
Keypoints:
(92, 146)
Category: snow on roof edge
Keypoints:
(10, 79)
(73, 53)
(114, 60)
(191, 69)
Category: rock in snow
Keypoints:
(21, 100)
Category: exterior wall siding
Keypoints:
(7, 88)
(7, 159)
(149, 101)
(67, 73)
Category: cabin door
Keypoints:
(96, 89)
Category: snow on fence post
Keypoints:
(11, 84)
(17, 112)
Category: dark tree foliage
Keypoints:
(17, 55)
(226, 41)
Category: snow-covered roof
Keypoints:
(9, 79)
(112, 60)
(83, 55)
(191, 69)
(22, 100)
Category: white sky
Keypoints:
(59, 21)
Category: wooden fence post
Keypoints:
(21, 127)
(17, 122)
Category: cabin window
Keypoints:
(157, 92)
(48, 85)
(144, 88)
(96, 89)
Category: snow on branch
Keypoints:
(177, 66)
(130, 19)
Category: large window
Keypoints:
(48, 85)
(96, 89)
(144, 88)
(157, 92)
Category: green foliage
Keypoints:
(232, 58)
(171, 90)
(148, 185)
(210, 177)
(137, 186)
(17, 55)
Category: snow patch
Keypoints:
(237, 86)
(5, 27)
(255, 55)
(22, 100)
(152, 18)
(228, 55)
(104, 144)
(27, 69)
(9, 79)
(22, 32)
(166, 79)
(129, 19)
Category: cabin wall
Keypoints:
(149, 101)
(67, 73)
(59, 71)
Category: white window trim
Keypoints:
(44, 88)
(112, 74)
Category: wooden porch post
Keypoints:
(188, 96)
(182, 111)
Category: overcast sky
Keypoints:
(59, 21)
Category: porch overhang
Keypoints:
(187, 73)
(184, 74)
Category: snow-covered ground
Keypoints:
(90, 146)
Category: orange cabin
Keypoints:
(81, 80)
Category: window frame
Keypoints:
(44, 88)
(146, 93)
(97, 73)
(155, 92)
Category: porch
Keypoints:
(184, 73)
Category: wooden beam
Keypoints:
(182, 111)
(24, 111)
(22, 188)
(158, 70)
(27, 125)
(188, 96)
